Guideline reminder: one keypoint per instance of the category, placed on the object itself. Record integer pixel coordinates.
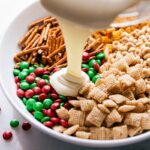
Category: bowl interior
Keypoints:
(9, 48)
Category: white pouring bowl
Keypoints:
(8, 49)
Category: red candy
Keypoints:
(29, 93)
(46, 72)
(54, 106)
(85, 69)
(67, 105)
(39, 70)
(56, 69)
(33, 74)
(42, 96)
(7, 135)
(54, 96)
(41, 82)
(64, 123)
(37, 90)
(50, 113)
(17, 79)
(26, 126)
(103, 61)
(18, 85)
(46, 89)
(58, 101)
(55, 119)
(48, 123)
(44, 111)
(20, 93)
(96, 66)
(30, 79)
(85, 56)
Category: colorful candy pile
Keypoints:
(38, 95)
(92, 66)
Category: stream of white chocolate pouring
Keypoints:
(68, 81)
(94, 13)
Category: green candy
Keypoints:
(14, 123)
(45, 76)
(37, 79)
(51, 73)
(61, 104)
(85, 66)
(44, 119)
(90, 74)
(100, 56)
(94, 79)
(24, 80)
(16, 72)
(38, 115)
(26, 70)
(31, 69)
(35, 66)
(47, 103)
(22, 75)
(30, 103)
(42, 65)
(64, 98)
(98, 61)
(24, 85)
(24, 100)
(33, 85)
(47, 81)
(38, 106)
(24, 65)
(36, 97)
(93, 70)
(91, 62)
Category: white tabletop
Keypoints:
(33, 139)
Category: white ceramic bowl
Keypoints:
(8, 49)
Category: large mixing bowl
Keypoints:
(8, 49)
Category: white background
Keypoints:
(33, 139)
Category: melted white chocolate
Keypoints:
(66, 84)
(68, 81)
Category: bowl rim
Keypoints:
(60, 136)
